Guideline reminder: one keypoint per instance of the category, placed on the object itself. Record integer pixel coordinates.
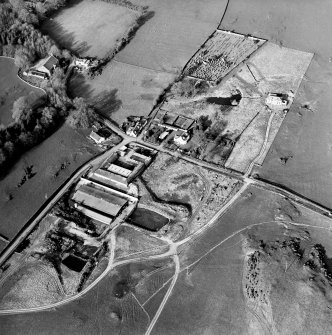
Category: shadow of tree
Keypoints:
(106, 102)
(64, 38)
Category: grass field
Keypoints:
(91, 28)
(175, 32)
(12, 88)
(53, 161)
(305, 133)
(122, 90)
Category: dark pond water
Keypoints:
(148, 219)
(74, 263)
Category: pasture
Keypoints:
(122, 90)
(175, 32)
(91, 28)
(12, 88)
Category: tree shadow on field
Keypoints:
(107, 102)
(63, 37)
(78, 87)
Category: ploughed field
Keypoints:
(12, 88)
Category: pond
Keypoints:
(148, 219)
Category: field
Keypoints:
(122, 90)
(175, 32)
(220, 54)
(305, 135)
(12, 88)
(53, 161)
(91, 28)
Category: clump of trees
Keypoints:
(82, 116)
(188, 87)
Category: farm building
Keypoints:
(119, 170)
(94, 215)
(97, 138)
(35, 73)
(181, 138)
(47, 65)
(135, 156)
(99, 200)
(82, 62)
(110, 179)
(163, 135)
(276, 99)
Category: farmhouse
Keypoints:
(82, 62)
(47, 65)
